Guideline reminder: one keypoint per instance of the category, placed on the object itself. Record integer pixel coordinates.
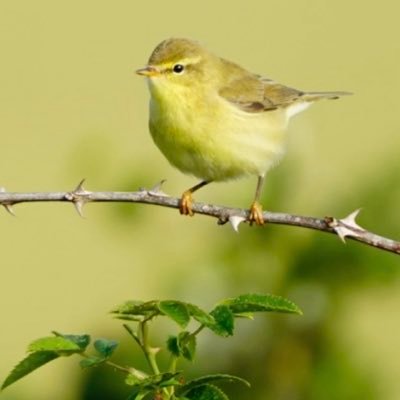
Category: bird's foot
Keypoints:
(185, 204)
(256, 214)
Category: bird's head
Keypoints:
(179, 63)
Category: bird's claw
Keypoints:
(256, 214)
(185, 204)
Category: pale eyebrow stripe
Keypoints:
(184, 61)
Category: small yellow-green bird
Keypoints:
(215, 120)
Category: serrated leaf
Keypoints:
(91, 361)
(81, 340)
(207, 379)
(224, 321)
(206, 392)
(176, 310)
(29, 364)
(173, 346)
(138, 394)
(134, 307)
(105, 347)
(182, 345)
(245, 315)
(189, 347)
(127, 307)
(125, 317)
(57, 344)
(200, 315)
(250, 303)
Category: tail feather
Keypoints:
(313, 96)
(305, 100)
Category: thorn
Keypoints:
(80, 189)
(78, 204)
(342, 232)
(78, 197)
(9, 209)
(155, 350)
(350, 220)
(235, 221)
(7, 206)
(346, 226)
(156, 190)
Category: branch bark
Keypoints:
(344, 228)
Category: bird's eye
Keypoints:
(178, 68)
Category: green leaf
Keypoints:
(57, 344)
(138, 308)
(126, 317)
(105, 347)
(138, 394)
(189, 347)
(207, 379)
(92, 361)
(173, 346)
(224, 320)
(206, 392)
(200, 315)
(245, 315)
(182, 345)
(250, 303)
(29, 364)
(81, 340)
(176, 310)
(130, 306)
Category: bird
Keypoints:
(215, 120)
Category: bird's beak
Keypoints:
(148, 71)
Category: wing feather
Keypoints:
(254, 94)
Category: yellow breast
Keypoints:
(212, 139)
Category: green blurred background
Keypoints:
(72, 108)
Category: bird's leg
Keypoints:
(185, 204)
(256, 213)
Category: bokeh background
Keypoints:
(72, 108)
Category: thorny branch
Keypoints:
(344, 228)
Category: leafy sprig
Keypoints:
(155, 383)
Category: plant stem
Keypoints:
(198, 330)
(80, 196)
(149, 352)
(141, 338)
(172, 369)
(132, 334)
(172, 365)
(128, 370)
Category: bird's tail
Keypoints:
(313, 96)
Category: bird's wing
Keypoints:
(255, 94)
